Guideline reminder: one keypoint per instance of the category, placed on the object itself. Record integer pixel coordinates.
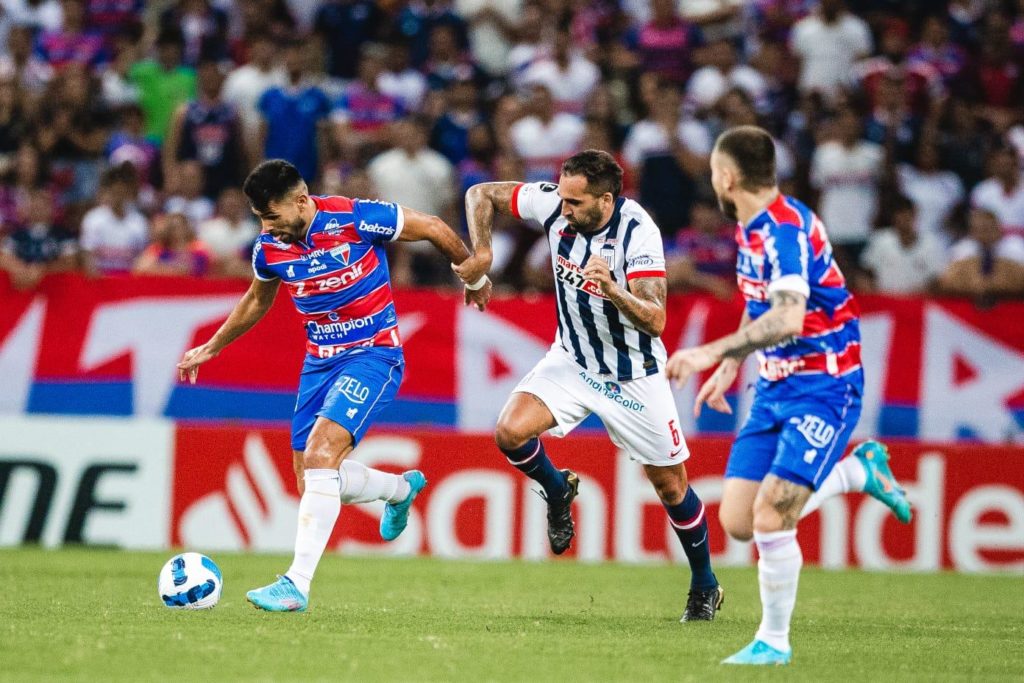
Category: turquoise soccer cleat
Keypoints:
(396, 515)
(280, 596)
(881, 484)
(760, 653)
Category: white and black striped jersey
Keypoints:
(590, 328)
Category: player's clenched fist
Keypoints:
(479, 297)
(193, 358)
(597, 270)
(474, 267)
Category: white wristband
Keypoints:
(478, 284)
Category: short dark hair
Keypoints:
(602, 172)
(270, 182)
(753, 150)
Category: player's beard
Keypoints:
(728, 208)
(294, 232)
(590, 222)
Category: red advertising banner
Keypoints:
(935, 370)
(233, 488)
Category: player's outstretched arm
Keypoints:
(783, 320)
(483, 200)
(253, 305)
(423, 227)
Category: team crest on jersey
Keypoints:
(341, 252)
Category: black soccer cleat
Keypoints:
(702, 605)
(560, 526)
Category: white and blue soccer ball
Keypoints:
(190, 581)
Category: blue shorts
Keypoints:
(797, 439)
(351, 389)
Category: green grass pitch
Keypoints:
(95, 615)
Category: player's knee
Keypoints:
(767, 517)
(509, 435)
(739, 529)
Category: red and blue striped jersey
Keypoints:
(785, 247)
(338, 275)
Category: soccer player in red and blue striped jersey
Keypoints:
(803, 324)
(329, 253)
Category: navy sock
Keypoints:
(691, 526)
(531, 460)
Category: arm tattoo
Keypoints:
(482, 202)
(643, 303)
(768, 330)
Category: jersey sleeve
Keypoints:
(377, 222)
(645, 253)
(535, 201)
(788, 253)
(259, 264)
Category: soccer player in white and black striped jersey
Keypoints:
(607, 358)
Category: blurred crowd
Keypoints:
(127, 127)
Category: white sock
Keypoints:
(778, 572)
(318, 511)
(848, 475)
(361, 484)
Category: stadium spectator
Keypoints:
(846, 171)
(566, 73)
(447, 61)
(245, 84)
(400, 80)
(207, 129)
(115, 18)
(38, 245)
(23, 174)
(901, 259)
(229, 234)
(418, 20)
(491, 31)
(413, 175)
(185, 187)
(292, 115)
(20, 60)
(72, 131)
(14, 126)
(986, 264)
(202, 26)
(74, 42)
(129, 143)
(174, 250)
(702, 256)
(164, 83)
(343, 27)
(114, 233)
(529, 42)
(544, 136)
(937, 51)
(722, 71)
(828, 43)
(450, 134)
(363, 114)
(667, 44)
(935, 192)
(1003, 192)
(36, 15)
(115, 81)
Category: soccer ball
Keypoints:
(190, 581)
